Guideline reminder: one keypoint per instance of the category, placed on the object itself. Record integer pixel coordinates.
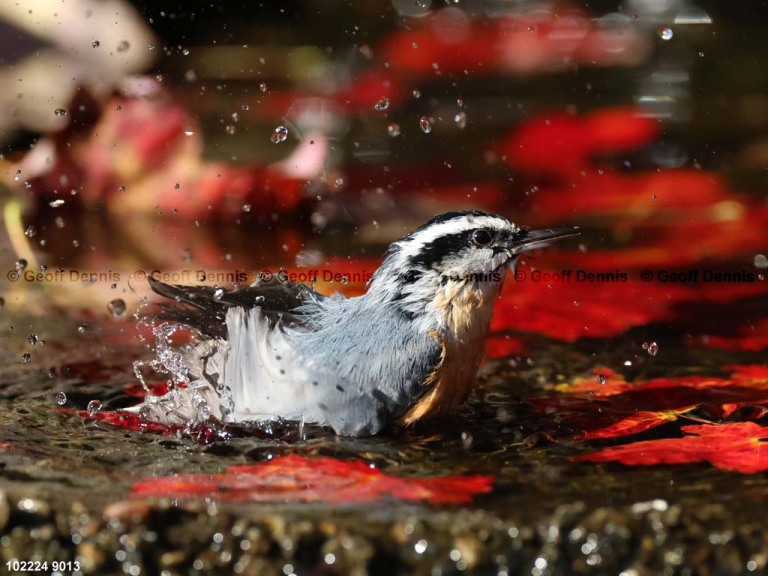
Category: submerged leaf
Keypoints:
(735, 446)
(297, 478)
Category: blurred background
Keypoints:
(167, 135)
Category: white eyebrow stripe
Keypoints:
(416, 243)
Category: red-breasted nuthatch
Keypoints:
(409, 348)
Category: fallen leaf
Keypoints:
(561, 144)
(638, 422)
(734, 446)
(303, 479)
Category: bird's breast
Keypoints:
(466, 315)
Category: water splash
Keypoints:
(94, 406)
(393, 129)
(116, 307)
(280, 134)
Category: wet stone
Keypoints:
(126, 511)
(5, 510)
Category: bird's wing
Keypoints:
(205, 308)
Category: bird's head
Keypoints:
(455, 255)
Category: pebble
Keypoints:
(5, 511)
(127, 511)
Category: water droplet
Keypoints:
(95, 43)
(339, 183)
(576, 303)
(116, 307)
(280, 134)
(93, 407)
(118, 107)
(381, 104)
(701, 54)
(461, 120)
(27, 185)
(263, 87)
(121, 189)
(32, 339)
(416, 94)
(82, 328)
(123, 46)
(26, 357)
(600, 379)
(665, 33)
(230, 129)
(761, 261)
(653, 348)
(247, 207)
(393, 129)
(425, 125)
(467, 439)
(56, 203)
(30, 231)
(61, 398)
(185, 51)
(21, 265)
(218, 294)
(60, 112)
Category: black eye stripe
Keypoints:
(439, 248)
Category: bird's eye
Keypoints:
(482, 237)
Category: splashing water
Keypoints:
(280, 134)
(94, 406)
(191, 404)
(393, 130)
(116, 307)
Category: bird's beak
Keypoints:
(531, 239)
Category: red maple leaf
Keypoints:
(734, 446)
(610, 383)
(569, 310)
(636, 423)
(302, 479)
(561, 144)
